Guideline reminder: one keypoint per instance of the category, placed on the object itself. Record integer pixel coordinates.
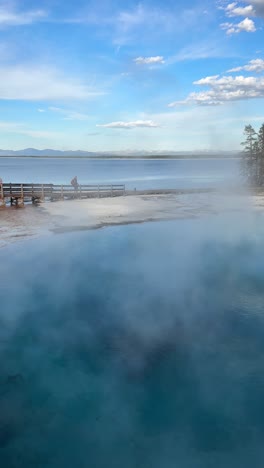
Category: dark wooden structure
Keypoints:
(17, 194)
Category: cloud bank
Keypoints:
(233, 9)
(251, 8)
(247, 25)
(149, 60)
(225, 89)
(129, 125)
(256, 65)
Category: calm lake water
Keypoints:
(142, 174)
(135, 346)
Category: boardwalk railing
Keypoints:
(19, 193)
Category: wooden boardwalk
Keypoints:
(18, 194)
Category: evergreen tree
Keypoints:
(251, 138)
(260, 143)
(250, 159)
(261, 140)
(253, 160)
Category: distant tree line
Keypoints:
(253, 155)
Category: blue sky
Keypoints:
(111, 75)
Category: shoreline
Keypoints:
(97, 213)
(96, 227)
(125, 158)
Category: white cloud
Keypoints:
(10, 17)
(256, 65)
(129, 125)
(247, 25)
(225, 89)
(209, 80)
(245, 8)
(33, 83)
(234, 10)
(258, 6)
(149, 60)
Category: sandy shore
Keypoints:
(73, 215)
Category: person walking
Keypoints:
(74, 183)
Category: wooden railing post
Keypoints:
(2, 193)
(22, 194)
(11, 200)
(39, 191)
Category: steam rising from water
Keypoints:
(134, 346)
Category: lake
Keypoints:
(135, 346)
(140, 174)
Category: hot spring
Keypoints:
(135, 346)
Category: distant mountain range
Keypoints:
(33, 152)
(45, 152)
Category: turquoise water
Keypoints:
(135, 346)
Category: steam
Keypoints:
(134, 346)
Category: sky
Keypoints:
(116, 75)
